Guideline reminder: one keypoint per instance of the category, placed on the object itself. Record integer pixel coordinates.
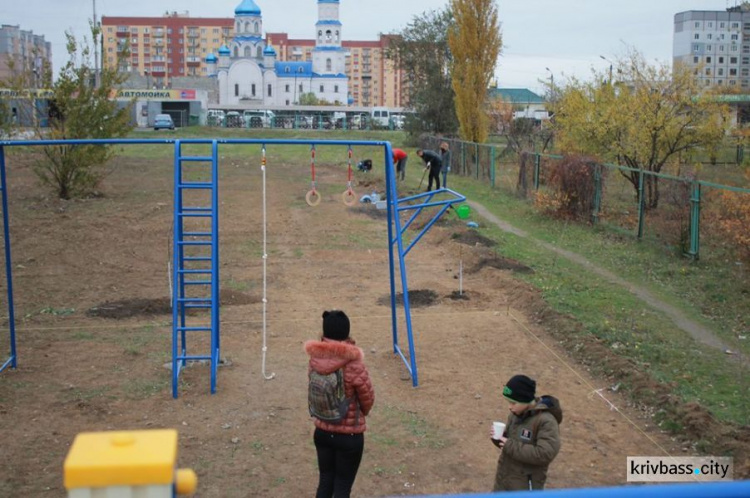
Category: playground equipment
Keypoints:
(348, 196)
(196, 242)
(265, 270)
(126, 464)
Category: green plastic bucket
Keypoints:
(463, 211)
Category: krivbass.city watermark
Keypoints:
(680, 469)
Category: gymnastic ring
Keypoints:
(349, 197)
(312, 198)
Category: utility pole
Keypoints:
(610, 68)
(96, 48)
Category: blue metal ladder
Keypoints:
(12, 358)
(195, 258)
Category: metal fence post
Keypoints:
(537, 167)
(492, 166)
(695, 220)
(641, 205)
(597, 193)
(476, 159)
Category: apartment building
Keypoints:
(162, 48)
(716, 44)
(29, 53)
(373, 80)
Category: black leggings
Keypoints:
(339, 456)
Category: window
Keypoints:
(696, 59)
(287, 69)
(708, 60)
(708, 48)
(734, 37)
(335, 89)
(321, 89)
(258, 52)
(203, 31)
(269, 90)
(247, 51)
(710, 24)
(721, 24)
(721, 60)
(697, 25)
(300, 69)
(236, 90)
(721, 48)
(287, 102)
(236, 52)
(257, 30)
(286, 88)
(709, 36)
(733, 72)
(721, 72)
(169, 31)
(328, 65)
(215, 31)
(735, 25)
(733, 60)
(696, 36)
(252, 89)
(300, 88)
(708, 71)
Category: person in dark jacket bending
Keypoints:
(340, 445)
(530, 442)
(432, 160)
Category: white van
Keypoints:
(381, 116)
(215, 117)
(259, 119)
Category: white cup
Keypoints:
(497, 429)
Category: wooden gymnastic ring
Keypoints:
(349, 197)
(312, 198)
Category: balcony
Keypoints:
(192, 61)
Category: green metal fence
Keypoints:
(685, 218)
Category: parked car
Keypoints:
(234, 120)
(215, 117)
(163, 122)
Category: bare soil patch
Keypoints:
(473, 238)
(128, 308)
(418, 298)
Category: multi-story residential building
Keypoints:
(176, 45)
(716, 45)
(162, 48)
(29, 52)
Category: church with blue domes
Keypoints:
(248, 73)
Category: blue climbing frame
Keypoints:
(192, 270)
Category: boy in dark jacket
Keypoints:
(530, 442)
(433, 161)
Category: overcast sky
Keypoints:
(566, 36)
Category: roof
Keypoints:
(224, 50)
(211, 58)
(516, 95)
(300, 69)
(247, 7)
(269, 50)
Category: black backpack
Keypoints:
(326, 397)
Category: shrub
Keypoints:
(572, 187)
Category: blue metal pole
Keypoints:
(215, 304)
(177, 195)
(391, 201)
(8, 266)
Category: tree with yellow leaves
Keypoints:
(475, 42)
(644, 121)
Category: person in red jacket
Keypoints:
(340, 445)
(400, 157)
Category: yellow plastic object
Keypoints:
(186, 482)
(121, 458)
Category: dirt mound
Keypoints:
(473, 238)
(128, 308)
(420, 298)
(500, 263)
(459, 296)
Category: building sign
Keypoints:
(124, 94)
(33, 93)
(127, 94)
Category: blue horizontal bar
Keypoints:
(198, 282)
(197, 258)
(196, 185)
(154, 141)
(197, 306)
(193, 358)
(731, 489)
(202, 272)
(196, 158)
(194, 300)
(194, 329)
(193, 214)
(194, 242)
(196, 234)
(197, 209)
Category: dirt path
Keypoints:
(696, 330)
